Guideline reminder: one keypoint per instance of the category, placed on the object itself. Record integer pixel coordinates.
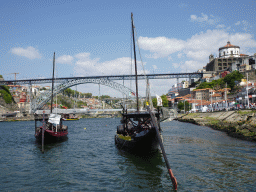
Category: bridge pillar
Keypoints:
(178, 83)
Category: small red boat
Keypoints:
(52, 129)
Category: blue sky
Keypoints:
(93, 37)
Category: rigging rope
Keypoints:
(144, 72)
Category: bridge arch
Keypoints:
(43, 98)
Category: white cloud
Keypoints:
(154, 67)
(169, 58)
(176, 65)
(180, 55)
(204, 19)
(29, 52)
(65, 59)
(220, 26)
(238, 23)
(246, 25)
(160, 46)
(86, 66)
(195, 51)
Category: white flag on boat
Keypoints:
(159, 100)
(54, 119)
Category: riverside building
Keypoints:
(230, 59)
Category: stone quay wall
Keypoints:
(240, 124)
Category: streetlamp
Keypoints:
(211, 100)
(247, 90)
(184, 106)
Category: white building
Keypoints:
(229, 50)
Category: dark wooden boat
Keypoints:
(137, 133)
(52, 129)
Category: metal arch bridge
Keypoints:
(65, 83)
(42, 99)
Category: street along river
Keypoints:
(201, 159)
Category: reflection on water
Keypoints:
(143, 172)
(201, 159)
(213, 160)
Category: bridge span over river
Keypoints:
(110, 81)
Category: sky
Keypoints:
(94, 38)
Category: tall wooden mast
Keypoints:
(52, 80)
(136, 75)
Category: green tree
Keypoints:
(5, 94)
(232, 77)
(181, 105)
(105, 97)
(221, 83)
(164, 101)
(81, 103)
(68, 92)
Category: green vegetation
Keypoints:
(86, 95)
(247, 112)
(232, 77)
(65, 102)
(181, 105)
(164, 101)
(1, 76)
(221, 83)
(5, 94)
(105, 97)
(69, 92)
(80, 104)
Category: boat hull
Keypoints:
(144, 144)
(72, 119)
(51, 136)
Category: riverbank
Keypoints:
(238, 124)
(80, 116)
(10, 119)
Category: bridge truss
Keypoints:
(43, 98)
(67, 82)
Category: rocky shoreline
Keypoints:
(238, 124)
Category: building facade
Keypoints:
(230, 59)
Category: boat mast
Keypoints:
(52, 80)
(136, 76)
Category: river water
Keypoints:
(201, 159)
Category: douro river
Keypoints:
(201, 159)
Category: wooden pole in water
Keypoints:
(43, 133)
(174, 181)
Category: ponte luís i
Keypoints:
(66, 82)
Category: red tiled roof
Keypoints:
(216, 95)
(229, 45)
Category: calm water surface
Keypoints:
(202, 159)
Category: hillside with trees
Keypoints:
(229, 79)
